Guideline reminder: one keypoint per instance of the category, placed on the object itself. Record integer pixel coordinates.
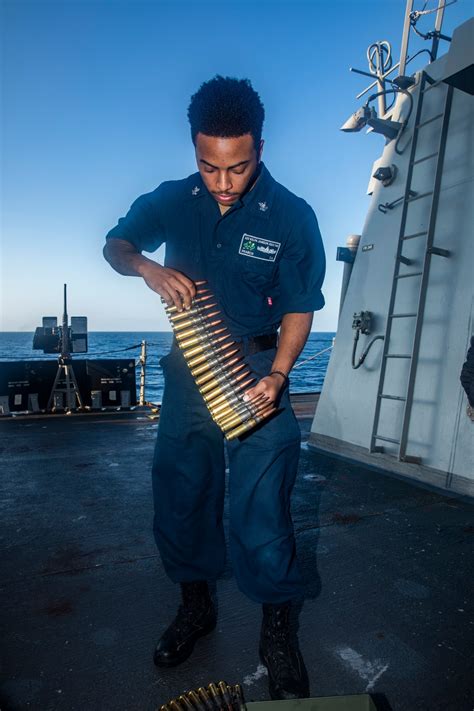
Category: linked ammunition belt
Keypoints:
(215, 697)
(217, 366)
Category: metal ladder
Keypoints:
(407, 397)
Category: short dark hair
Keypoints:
(227, 108)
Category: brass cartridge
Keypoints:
(233, 401)
(196, 310)
(220, 378)
(213, 358)
(191, 352)
(196, 701)
(174, 309)
(241, 429)
(195, 320)
(236, 389)
(239, 701)
(206, 699)
(214, 370)
(175, 705)
(224, 689)
(185, 703)
(205, 337)
(225, 387)
(199, 328)
(234, 421)
(244, 410)
(215, 695)
(209, 352)
(238, 403)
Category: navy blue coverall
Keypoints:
(262, 258)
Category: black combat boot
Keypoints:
(196, 617)
(279, 652)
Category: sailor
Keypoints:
(259, 249)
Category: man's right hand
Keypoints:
(175, 288)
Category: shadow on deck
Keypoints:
(84, 596)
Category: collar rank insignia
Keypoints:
(263, 206)
(195, 190)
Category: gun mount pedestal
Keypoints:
(65, 383)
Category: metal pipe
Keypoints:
(143, 355)
(405, 37)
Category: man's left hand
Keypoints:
(268, 389)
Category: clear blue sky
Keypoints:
(94, 114)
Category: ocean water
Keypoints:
(305, 377)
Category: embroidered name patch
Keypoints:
(259, 248)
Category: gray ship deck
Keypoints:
(84, 596)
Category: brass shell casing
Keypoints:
(243, 417)
(205, 336)
(202, 348)
(213, 359)
(226, 410)
(220, 378)
(224, 387)
(205, 698)
(193, 321)
(233, 422)
(186, 703)
(239, 697)
(195, 309)
(214, 691)
(244, 412)
(224, 689)
(239, 431)
(240, 386)
(233, 400)
(198, 328)
(174, 309)
(195, 700)
(215, 369)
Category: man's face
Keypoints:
(227, 165)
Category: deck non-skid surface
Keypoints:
(84, 597)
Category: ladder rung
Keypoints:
(406, 276)
(433, 118)
(439, 252)
(393, 397)
(405, 260)
(421, 160)
(415, 234)
(402, 315)
(418, 197)
(387, 439)
(396, 355)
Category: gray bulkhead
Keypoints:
(440, 432)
